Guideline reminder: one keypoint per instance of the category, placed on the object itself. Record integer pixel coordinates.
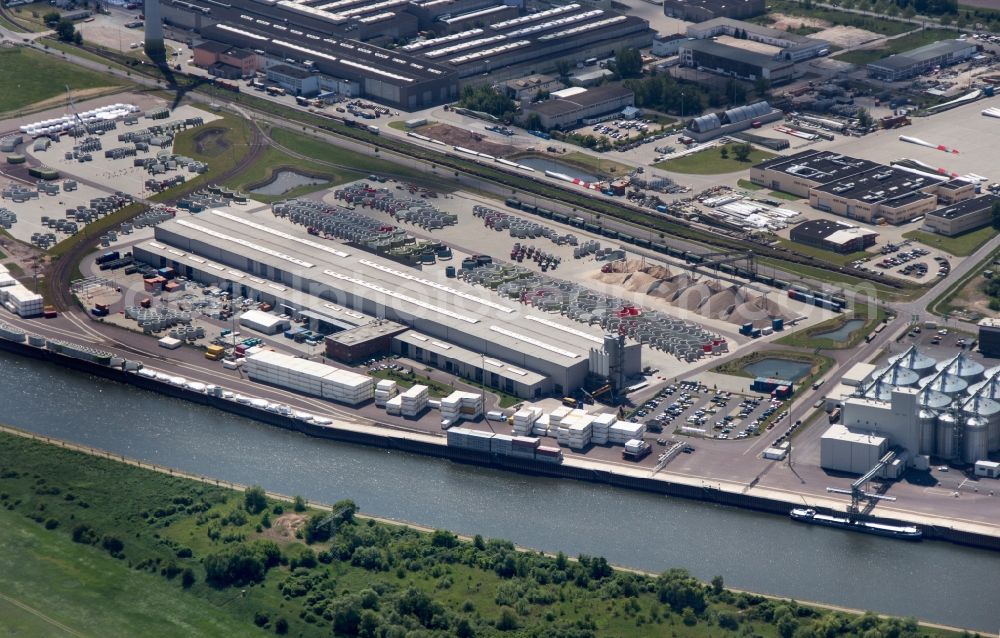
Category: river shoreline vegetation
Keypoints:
(85, 533)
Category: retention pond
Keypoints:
(776, 368)
(284, 181)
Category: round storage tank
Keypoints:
(934, 400)
(945, 435)
(975, 440)
(989, 411)
(944, 382)
(914, 360)
(962, 366)
(928, 421)
(897, 376)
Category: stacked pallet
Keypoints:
(413, 401)
(308, 377)
(602, 426)
(524, 420)
(385, 390)
(624, 431)
(461, 405)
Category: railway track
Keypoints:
(59, 272)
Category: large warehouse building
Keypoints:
(857, 188)
(712, 125)
(571, 107)
(902, 66)
(794, 47)
(924, 408)
(702, 10)
(962, 216)
(716, 57)
(446, 42)
(833, 235)
(459, 327)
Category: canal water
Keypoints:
(285, 181)
(842, 333)
(934, 581)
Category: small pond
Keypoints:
(284, 181)
(546, 164)
(842, 333)
(775, 368)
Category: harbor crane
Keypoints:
(857, 492)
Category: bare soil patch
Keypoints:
(849, 37)
(786, 22)
(283, 528)
(467, 139)
(211, 142)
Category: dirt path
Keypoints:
(38, 614)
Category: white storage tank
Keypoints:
(944, 382)
(963, 367)
(928, 423)
(914, 360)
(946, 425)
(975, 440)
(896, 375)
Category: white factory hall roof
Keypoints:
(468, 357)
(473, 310)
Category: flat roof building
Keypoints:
(794, 47)
(902, 66)
(833, 235)
(234, 249)
(702, 10)
(854, 188)
(295, 80)
(962, 216)
(734, 62)
(989, 337)
(581, 104)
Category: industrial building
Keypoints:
(857, 188)
(716, 57)
(833, 235)
(295, 80)
(446, 42)
(574, 106)
(702, 10)
(961, 217)
(902, 66)
(362, 342)
(665, 46)
(459, 327)
(226, 61)
(989, 337)
(922, 408)
(712, 125)
(795, 48)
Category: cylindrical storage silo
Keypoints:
(945, 431)
(914, 360)
(944, 382)
(975, 440)
(928, 421)
(962, 366)
(897, 375)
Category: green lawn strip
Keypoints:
(437, 389)
(783, 195)
(82, 52)
(897, 45)
(748, 185)
(369, 578)
(400, 125)
(842, 279)
(804, 338)
(711, 162)
(29, 16)
(32, 76)
(824, 255)
(341, 157)
(960, 246)
(599, 164)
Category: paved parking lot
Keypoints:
(692, 410)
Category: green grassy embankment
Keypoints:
(29, 76)
(711, 162)
(960, 245)
(98, 546)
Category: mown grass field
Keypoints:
(819, 253)
(960, 246)
(711, 162)
(28, 76)
(98, 547)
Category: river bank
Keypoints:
(636, 529)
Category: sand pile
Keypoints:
(640, 282)
(757, 309)
(721, 304)
(692, 297)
